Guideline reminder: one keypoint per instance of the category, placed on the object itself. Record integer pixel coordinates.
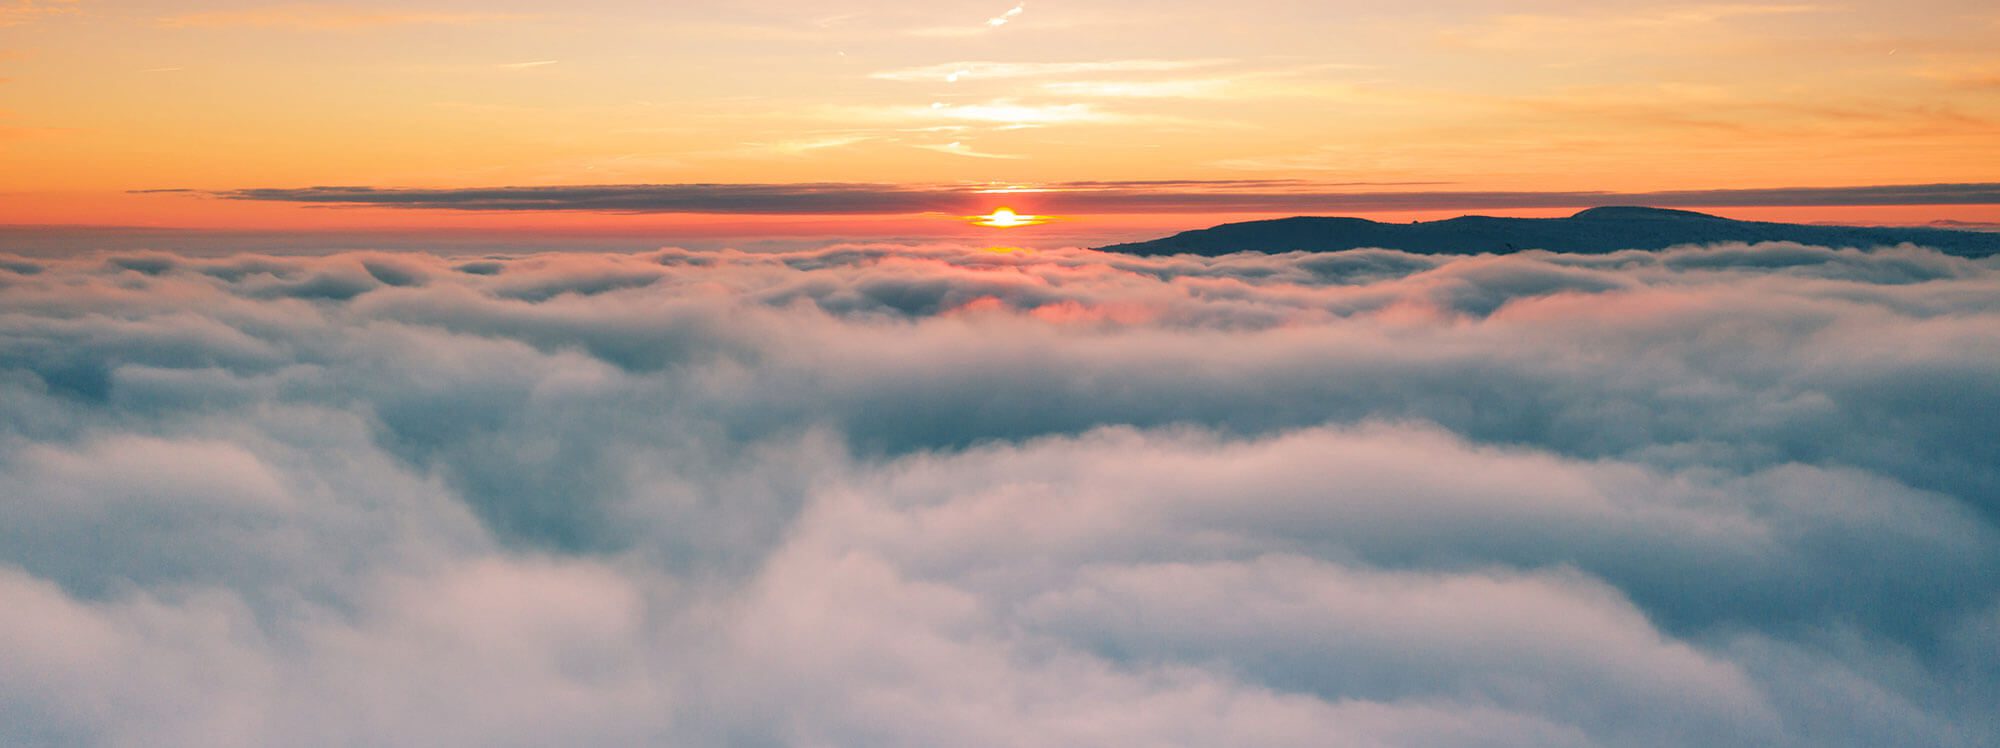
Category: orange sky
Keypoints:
(99, 98)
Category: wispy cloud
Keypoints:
(1515, 31)
(1004, 18)
(1185, 88)
(1969, 75)
(801, 146)
(329, 18)
(527, 65)
(1738, 110)
(953, 72)
(1139, 78)
(19, 12)
(1002, 114)
(1712, 13)
(957, 148)
(1009, 112)
(1269, 82)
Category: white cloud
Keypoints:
(953, 72)
(957, 148)
(920, 495)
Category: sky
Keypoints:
(123, 115)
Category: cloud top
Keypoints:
(920, 495)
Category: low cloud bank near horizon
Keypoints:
(1740, 495)
(1127, 197)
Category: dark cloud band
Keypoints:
(1166, 196)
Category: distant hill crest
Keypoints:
(1640, 212)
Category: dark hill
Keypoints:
(1597, 230)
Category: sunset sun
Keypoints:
(1006, 218)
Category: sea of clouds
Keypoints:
(947, 496)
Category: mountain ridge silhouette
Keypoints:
(1596, 230)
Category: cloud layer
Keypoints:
(1182, 196)
(870, 495)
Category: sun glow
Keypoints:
(1006, 218)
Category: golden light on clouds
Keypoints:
(1002, 19)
